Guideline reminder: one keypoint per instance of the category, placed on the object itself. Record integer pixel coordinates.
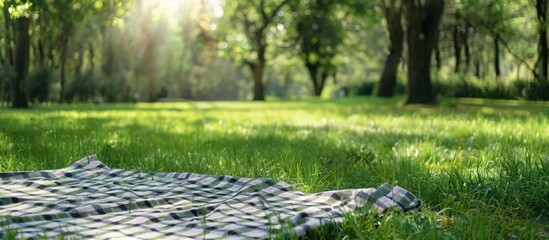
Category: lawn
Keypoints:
(481, 168)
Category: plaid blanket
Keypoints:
(89, 200)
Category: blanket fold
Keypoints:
(92, 201)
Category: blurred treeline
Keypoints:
(162, 50)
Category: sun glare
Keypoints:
(172, 7)
(172, 4)
(216, 6)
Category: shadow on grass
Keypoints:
(506, 179)
(314, 158)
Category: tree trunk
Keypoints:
(466, 47)
(186, 87)
(2, 86)
(318, 77)
(79, 63)
(258, 40)
(543, 57)
(41, 41)
(497, 68)
(8, 36)
(387, 83)
(108, 54)
(477, 68)
(20, 83)
(321, 84)
(2, 94)
(149, 66)
(257, 71)
(423, 18)
(313, 73)
(438, 60)
(92, 60)
(184, 84)
(457, 43)
(41, 52)
(287, 84)
(6, 55)
(64, 52)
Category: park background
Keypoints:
(444, 98)
(124, 51)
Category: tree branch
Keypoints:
(506, 45)
(269, 18)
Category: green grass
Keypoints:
(481, 168)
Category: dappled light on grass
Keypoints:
(459, 159)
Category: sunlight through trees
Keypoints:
(169, 50)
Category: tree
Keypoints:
(252, 19)
(59, 20)
(423, 18)
(6, 52)
(22, 54)
(319, 34)
(492, 21)
(497, 67)
(8, 25)
(456, 34)
(66, 15)
(543, 50)
(388, 80)
(21, 58)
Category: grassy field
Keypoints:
(481, 168)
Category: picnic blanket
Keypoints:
(89, 200)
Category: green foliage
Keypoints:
(461, 86)
(8, 231)
(6, 75)
(41, 81)
(118, 88)
(472, 88)
(494, 16)
(319, 32)
(19, 8)
(538, 90)
(252, 27)
(190, 38)
(367, 89)
(82, 89)
(480, 167)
